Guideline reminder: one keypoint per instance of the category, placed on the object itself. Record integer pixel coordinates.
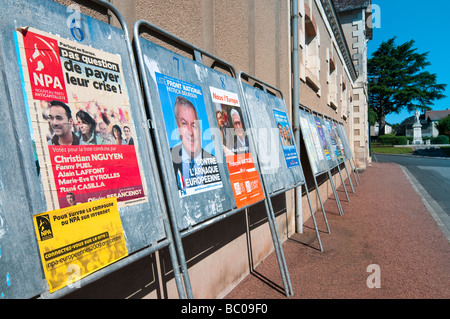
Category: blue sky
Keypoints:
(426, 22)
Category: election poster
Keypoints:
(309, 144)
(78, 240)
(339, 141)
(244, 177)
(286, 137)
(334, 141)
(80, 121)
(315, 135)
(328, 139)
(322, 137)
(189, 136)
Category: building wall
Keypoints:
(255, 37)
(354, 24)
(315, 86)
(316, 83)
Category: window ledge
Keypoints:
(312, 80)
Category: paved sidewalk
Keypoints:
(385, 224)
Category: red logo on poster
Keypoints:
(44, 67)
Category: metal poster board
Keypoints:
(347, 150)
(329, 155)
(318, 151)
(312, 144)
(340, 149)
(172, 79)
(324, 140)
(315, 152)
(81, 200)
(334, 150)
(281, 168)
(279, 160)
(335, 145)
(197, 118)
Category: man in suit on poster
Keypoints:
(240, 139)
(189, 158)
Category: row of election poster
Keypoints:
(202, 137)
(323, 142)
(87, 155)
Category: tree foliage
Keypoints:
(397, 80)
(443, 126)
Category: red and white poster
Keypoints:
(244, 177)
(80, 121)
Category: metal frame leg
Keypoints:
(354, 174)
(278, 249)
(338, 203)
(314, 219)
(354, 162)
(343, 183)
(349, 177)
(321, 204)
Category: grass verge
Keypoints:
(392, 150)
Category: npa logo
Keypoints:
(44, 227)
(44, 67)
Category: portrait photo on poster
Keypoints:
(286, 138)
(189, 136)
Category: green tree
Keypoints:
(443, 126)
(397, 80)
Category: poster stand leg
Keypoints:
(357, 174)
(278, 248)
(176, 264)
(343, 183)
(353, 170)
(321, 204)
(177, 274)
(314, 219)
(183, 265)
(376, 160)
(338, 203)
(349, 177)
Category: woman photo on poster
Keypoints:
(117, 133)
(87, 127)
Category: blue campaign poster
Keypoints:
(287, 138)
(189, 135)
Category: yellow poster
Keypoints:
(76, 241)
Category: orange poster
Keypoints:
(244, 177)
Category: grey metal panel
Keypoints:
(332, 162)
(345, 142)
(337, 140)
(21, 189)
(161, 103)
(196, 208)
(277, 175)
(20, 271)
(314, 149)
